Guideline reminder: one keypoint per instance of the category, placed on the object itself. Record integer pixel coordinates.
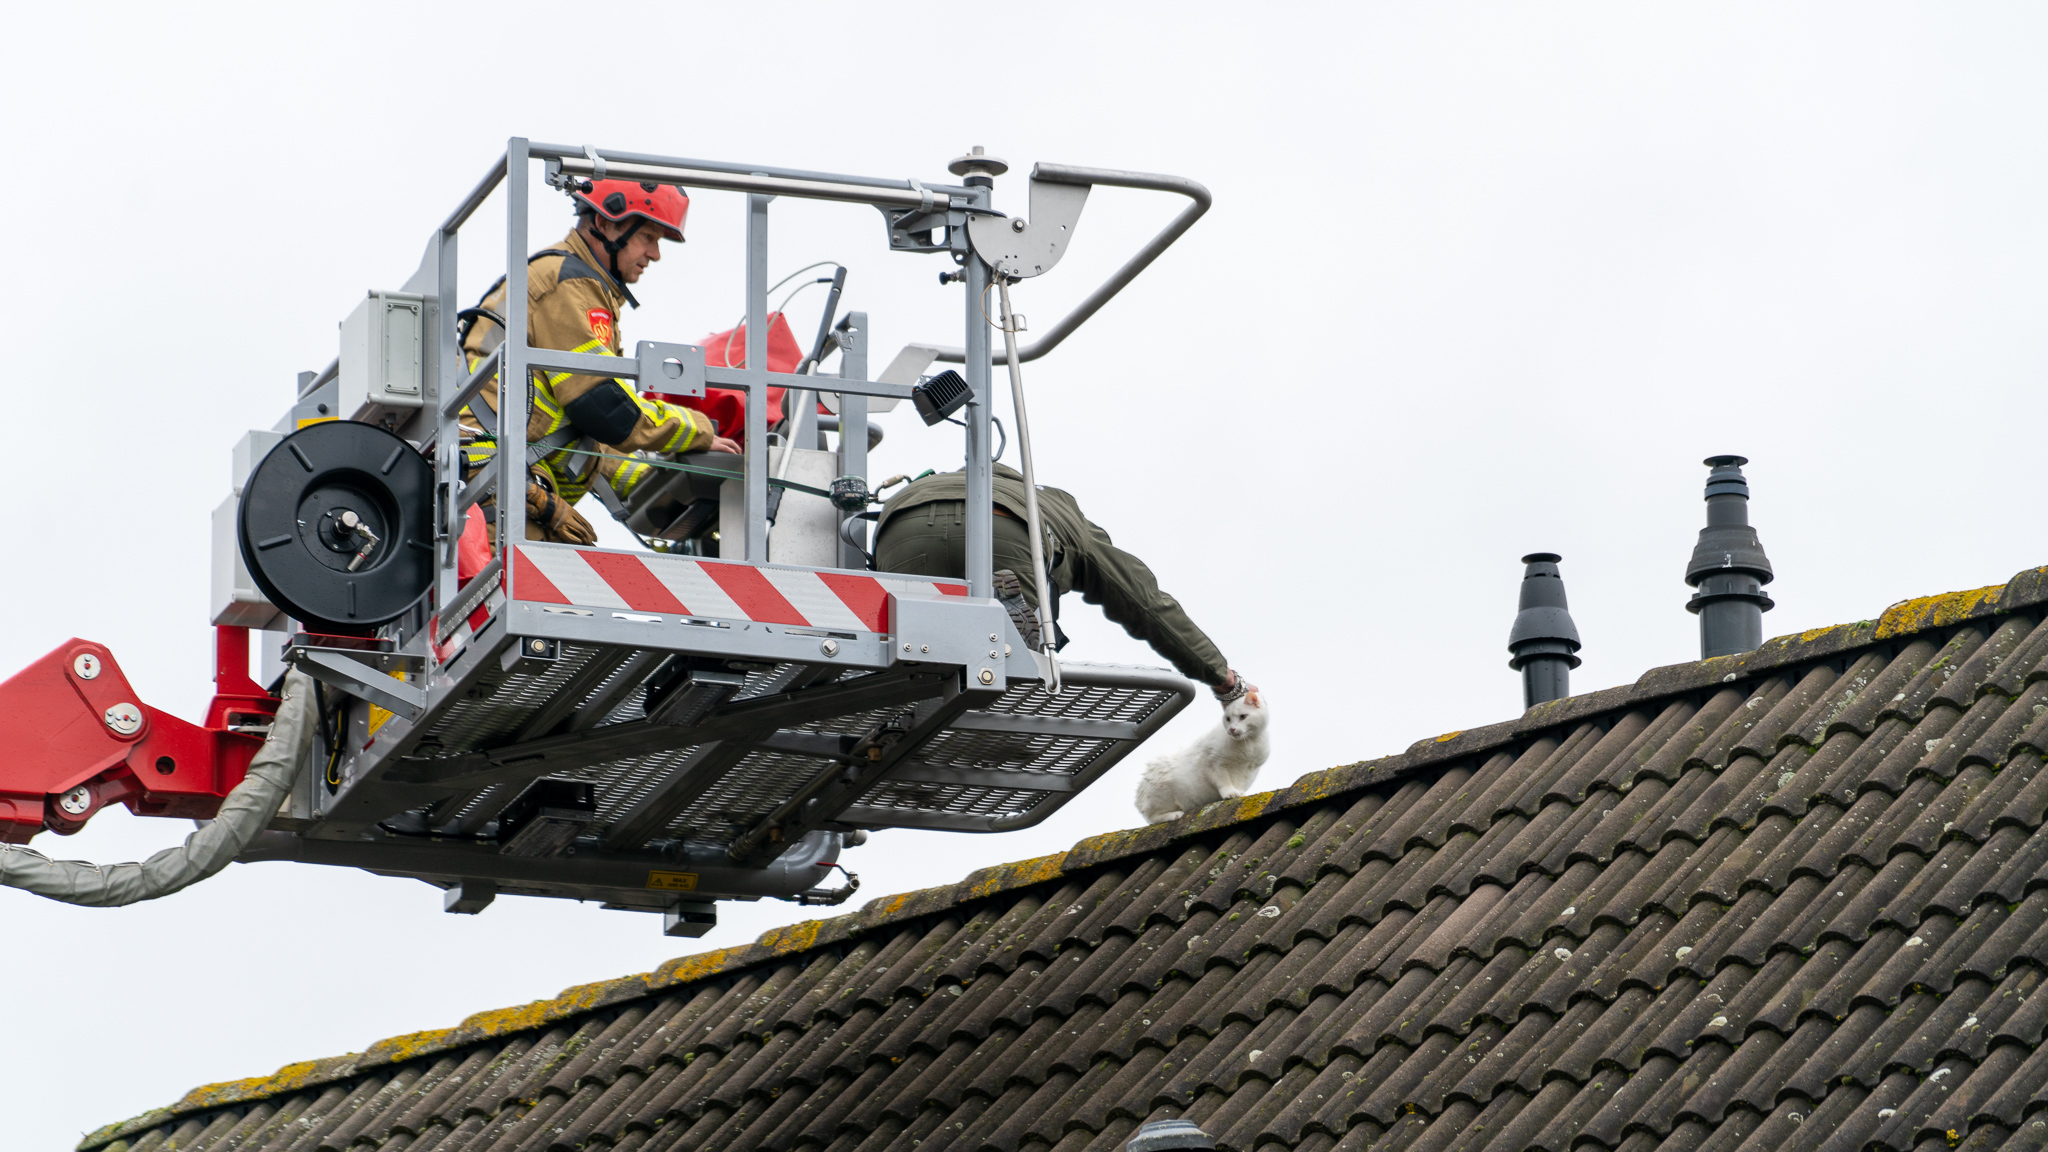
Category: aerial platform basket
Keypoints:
(651, 730)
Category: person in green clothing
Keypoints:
(923, 532)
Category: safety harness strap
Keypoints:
(602, 486)
(481, 313)
(611, 250)
(553, 442)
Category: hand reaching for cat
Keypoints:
(1233, 688)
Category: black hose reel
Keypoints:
(336, 526)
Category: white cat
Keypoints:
(1219, 766)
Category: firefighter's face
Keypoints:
(640, 250)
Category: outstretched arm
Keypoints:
(1129, 594)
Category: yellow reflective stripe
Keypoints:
(544, 403)
(628, 477)
(685, 436)
(597, 346)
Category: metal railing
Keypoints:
(457, 384)
(454, 384)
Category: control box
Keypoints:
(383, 357)
(235, 599)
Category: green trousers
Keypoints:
(923, 532)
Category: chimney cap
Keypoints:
(1160, 1135)
(1543, 625)
(1728, 545)
(1727, 479)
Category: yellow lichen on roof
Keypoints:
(1253, 806)
(572, 1001)
(684, 969)
(1937, 611)
(401, 1048)
(791, 937)
(1004, 877)
(1319, 785)
(1111, 843)
(289, 1078)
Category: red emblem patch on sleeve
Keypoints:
(601, 324)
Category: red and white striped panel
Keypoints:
(723, 590)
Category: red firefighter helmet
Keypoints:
(662, 205)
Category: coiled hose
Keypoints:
(245, 812)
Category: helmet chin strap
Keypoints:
(611, 250)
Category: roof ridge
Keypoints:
(2026, 589)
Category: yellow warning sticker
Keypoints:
(673, 881)
(379, 715)
(317, 420)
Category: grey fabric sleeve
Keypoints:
(245, 812)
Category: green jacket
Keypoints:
(1081, 558)
(1056, 509)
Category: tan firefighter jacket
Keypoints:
(573, 305)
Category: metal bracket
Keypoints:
(676, 369)
(1019, 249)
(358, 679)
(1068, 174)
(905, 371)
(918, 229)
(950, 630)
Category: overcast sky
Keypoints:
(1479, 281)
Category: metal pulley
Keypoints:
(336, 525)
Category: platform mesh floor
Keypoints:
(496, 712)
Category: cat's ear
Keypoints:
(1252, 698)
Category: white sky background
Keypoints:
(1478, 281)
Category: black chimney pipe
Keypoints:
(1544, 638)
(1728, 566)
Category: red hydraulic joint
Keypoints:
(75, 737)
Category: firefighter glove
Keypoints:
(556, 517)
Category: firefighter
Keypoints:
(923, 532)
(573, 292)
